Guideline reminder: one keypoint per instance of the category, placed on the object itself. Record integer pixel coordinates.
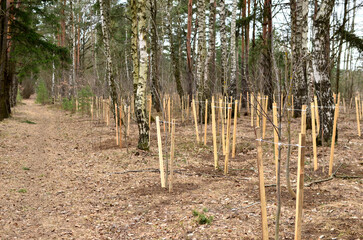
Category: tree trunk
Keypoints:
(155, 86)
(105, 18)
(222, 15)
(140, 111)
(233, 84)
(321, 69)
(266, 51)
(4, 84)
(201, 54)
(174, 52)
(212, 46)
(189, 58)
(299, 53)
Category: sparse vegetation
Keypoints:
(201, 218)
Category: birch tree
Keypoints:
(201, 50)
(299, 44)
(233, 86)
(320, 64)
(222, 14)
(139, 8)
(105, 22)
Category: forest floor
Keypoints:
(63, 177)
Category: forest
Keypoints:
(181, 119)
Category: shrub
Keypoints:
(42, 93)
(201, 218)
(68, 104)
(84, 100)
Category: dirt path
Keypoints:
(60, 179)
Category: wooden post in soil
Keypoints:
(276, 136)
(227, 138)
(215, 153)
(120, 126)
(336, 115)
(264, 117)
(252, 109)
(234, 129)
(182, 109)
(240, 101)
(150, 107)
(345, 110)
(300, 186)
(303, 119)
(313, 132)
(357, 111)
(282, 102)
(169, 115)
(92, 108)
(317, 117)
(258, 112)
(172, 149)
(188, 107)
(292, 106)
(248, 104)
(195, 120)
(335, 98)
(116, 121)
(222, 127)
(161, 162)
(128, 120)
(205, 122)
(261, 186)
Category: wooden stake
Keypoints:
(116, 120)
(313, 131)
(128, 120)
(234, 129)
(345, 110)
(276, 136)
(227, 138)
(258, 112)
(222, 127)
(357, 110)
(150, 107)
(252, 109)
(303, 119)
(172, 149)
(182, 109)
(336, 114)
(262, 186)
(215, 153)
(195, 120)
(120, 121)
(317, 115)
(188, 108)
(300, 186)
(240, 101)
(161, 162)
(292, 106)
(264, 117)
(205, 122)
(335, 98)
(169, 116)
(248, 104)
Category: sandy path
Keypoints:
(50, 163)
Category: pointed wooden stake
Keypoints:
(215, 153)
(205, 122)
(336, 114)
(313, 131)
(234, 129)
(195, 120)
(161, 162)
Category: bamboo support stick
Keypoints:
(234, 129)
(195, 120)
(215, 153)
(240, 101)
(169, 115)
(313, 132)
(261, 186)
(205, 122)
(336, 115)
(227, 138)
(161, 162)
(258, 112)
(300, 186)
(150, 107)
(292, 106)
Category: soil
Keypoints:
(62, 176)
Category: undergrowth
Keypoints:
(201, 218)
